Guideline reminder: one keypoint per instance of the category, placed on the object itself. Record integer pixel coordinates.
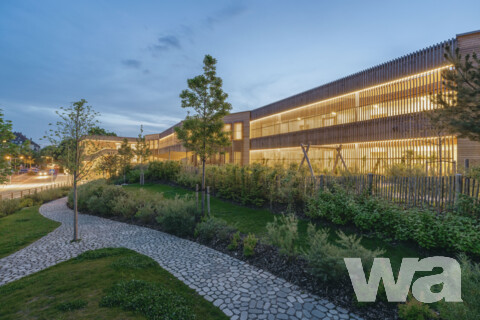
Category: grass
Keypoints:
(75, 288)
(22, 228)
(251, 220)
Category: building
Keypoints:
(20, 139)
(365, 122)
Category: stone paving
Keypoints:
(240, 290)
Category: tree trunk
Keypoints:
(203, 186)
(75, 207)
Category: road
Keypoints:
(24, 183)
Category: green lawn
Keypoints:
(255, 220)
(82, 282)
(22, 228)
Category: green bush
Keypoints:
(415, 310)
(178, 216)
(283, 233)
(249, 244)
(8, 207)
(235, 241)
(152, 300)
(325, 260)
(213, 228)
(162, 171)
(469, 309)
(333, 204)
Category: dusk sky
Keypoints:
(131, 59)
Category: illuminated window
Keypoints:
(237, 132)
(228, 128)
(237, 158)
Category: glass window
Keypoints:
(237, 133)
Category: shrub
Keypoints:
(325, 259)
(334, 204)
(213, 228)
(235, 241)
(26, 202)
(71, 305)
(469, 309)
(178, 216)
(249, 244)
(283, 233)
(467, 206)
(415, 310)
(8, 207)
(162, 170)
(152, 300)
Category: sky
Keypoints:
(131, 59)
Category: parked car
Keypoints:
(42, 173)
(23, 170)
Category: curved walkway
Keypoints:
(241, 291)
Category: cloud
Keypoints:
(166, 43)
(226, 13)
(132, 63)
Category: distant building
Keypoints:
(20, 138)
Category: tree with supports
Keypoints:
(142, 151)
(75, 123)
(203, 131)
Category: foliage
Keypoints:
(213, 228)
(162, 170)
(108, 165)
(404, 170)
(10, 206)
(152, 300)
(75, 123)
(249, 244)
(97, 131)
(283, 233)
(325, 259)
(415, 310)
(469, 309)
(203, 132)
(334, 204)
(235, 241)
(6, 147)
(178, 217)
(142, 151)
(125, 156)
(458, 110)
(72, 305)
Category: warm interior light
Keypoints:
(334, 113)
(354, 92)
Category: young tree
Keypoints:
(75, 122)
(6, 148)
(203, 132)
(108, 165)
(142, 151)
(125, 156)
(458, 109)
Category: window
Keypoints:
(228, 128)
(237, 158)
(237, 131)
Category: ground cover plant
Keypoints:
(22, 228)
(104, 284)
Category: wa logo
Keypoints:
(398, 291)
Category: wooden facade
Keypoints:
(375, 119)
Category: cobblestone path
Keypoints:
(241, 291)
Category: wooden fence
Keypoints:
(438, 192)
(22, 193)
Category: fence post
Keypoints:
(322, 181)
(467, 165)
(208, 201)
(196, 194)
(458, 186)
(21, 194)
(370, 183)
(11, 196)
